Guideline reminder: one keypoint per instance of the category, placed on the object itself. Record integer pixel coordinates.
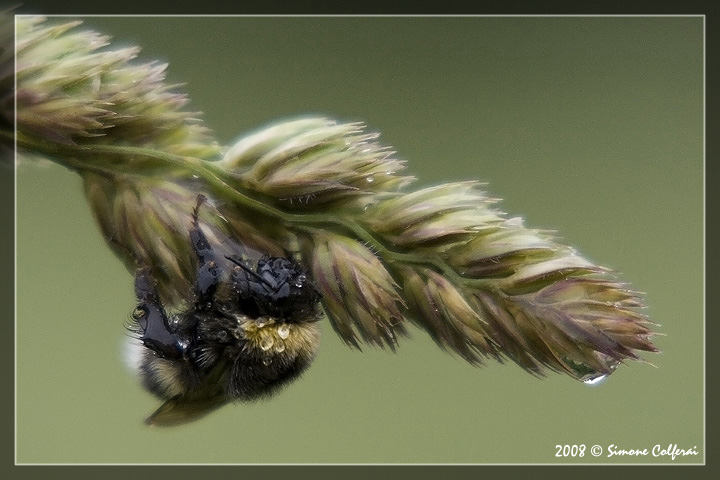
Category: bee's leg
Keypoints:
(153, 327)
(207, 273)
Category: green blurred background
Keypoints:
(590, 126)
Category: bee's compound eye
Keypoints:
(139, 312)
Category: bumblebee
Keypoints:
(250, 330)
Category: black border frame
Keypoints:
(565, 7)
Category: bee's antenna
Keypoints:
(251, 272)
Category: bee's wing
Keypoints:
(178, 411)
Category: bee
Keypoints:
(249, 331)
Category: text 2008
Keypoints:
(570, 450)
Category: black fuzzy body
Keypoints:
(249, 331)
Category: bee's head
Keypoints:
(278, 287)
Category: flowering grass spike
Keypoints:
(303, 211)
